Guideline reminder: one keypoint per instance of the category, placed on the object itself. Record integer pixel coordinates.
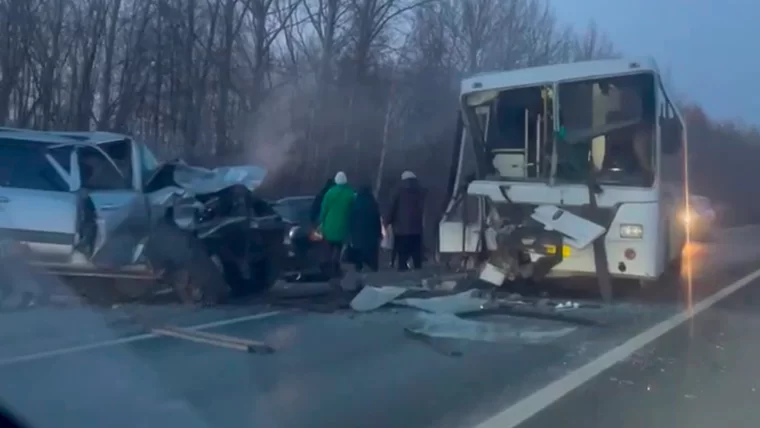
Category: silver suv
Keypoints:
(100, 204)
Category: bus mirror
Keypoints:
(670, 136)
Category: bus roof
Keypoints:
(552, 73)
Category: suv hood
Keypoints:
(199, 180)
(177, 178)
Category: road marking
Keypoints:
(529, 406)
(129, 339)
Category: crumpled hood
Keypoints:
(174, 184)
(202, 180)
(177, 178)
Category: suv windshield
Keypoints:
(23, 165)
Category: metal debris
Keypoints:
(567, 305)
(460, 303)
(371, 298)
(449, 326)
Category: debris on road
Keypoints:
(434, 345)
(567, 305)
(230, 342)
(443, 316)
(472, 302)
(371, 298)
(460, 303)
(449, 326)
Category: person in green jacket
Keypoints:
(334, 221)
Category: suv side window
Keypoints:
(121, 154)
(23, 166)
(148, 163)
(97, 173)
(62, 155)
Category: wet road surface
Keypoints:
(702, 374)
(95, 369)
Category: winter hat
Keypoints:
(408, 175)
(340, 178)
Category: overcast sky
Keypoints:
(710, 47)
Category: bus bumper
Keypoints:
(625, 259)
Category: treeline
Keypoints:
(304, 87)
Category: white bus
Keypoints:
(595, 149)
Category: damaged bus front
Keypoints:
(577, 169)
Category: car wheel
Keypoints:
(187, 266)
(200, 281)
(265, 273)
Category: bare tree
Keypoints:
(369, 86)
(593, 44)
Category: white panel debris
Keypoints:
(448, 326)
(492, 275)
(459, 303)
(371, 298)
(579, 232)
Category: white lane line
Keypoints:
(539, 400)
(129, 339)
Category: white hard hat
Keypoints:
(408, 175)
(340, 178)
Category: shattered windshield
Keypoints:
(608, 126)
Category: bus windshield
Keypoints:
(608, 126)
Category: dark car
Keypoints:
(303, 253)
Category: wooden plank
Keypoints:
(209, 340)
(257, 345)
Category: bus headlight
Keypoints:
(632, 231)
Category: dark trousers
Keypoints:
(408, 247)
(366, 258)
(394, 254)
(332, 266)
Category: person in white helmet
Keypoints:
(405, 216)
(334, 218)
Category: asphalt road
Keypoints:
(94, 368)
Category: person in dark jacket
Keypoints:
(316, 206)
(406, 217)
(366, 230)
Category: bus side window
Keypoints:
(671, 130)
